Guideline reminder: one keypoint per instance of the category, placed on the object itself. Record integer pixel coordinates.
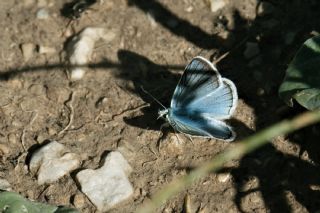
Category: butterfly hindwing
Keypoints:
(218, 104)
(193, 123)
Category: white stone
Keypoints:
(223, 177)
(28, 49)
(217, 5)
(46, 50)
(265, 8)
(5, 185)
(81, 47)
(42, 14)
(52, 162)
(108, 185)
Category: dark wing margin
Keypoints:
(199, 78)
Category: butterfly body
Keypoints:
(201, 100)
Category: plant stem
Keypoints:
(238, 150)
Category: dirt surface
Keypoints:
(154, 41)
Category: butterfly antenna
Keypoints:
(153, 97)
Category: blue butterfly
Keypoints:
(201, 100)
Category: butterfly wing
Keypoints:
(195, 124)
(199, 78)
(202, 89)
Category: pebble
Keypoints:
(265, 8)
(5, 185)
(79, 201)
(151, 19)
(42, 14)
(223, 177)
(102, 102)
(189, 9)
(108, 185)
(77, 74)
(46, 50)
(15, 83)
(217, 5)
(52, 161)
(4, 149)
(12, 138)
(252, 49)
(81, 47)
(28, 50)
(260, 92)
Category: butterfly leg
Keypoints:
(164, 125)
(179, 139)
(189, 137)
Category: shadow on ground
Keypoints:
(276, 172)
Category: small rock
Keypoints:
(265, 8)
(5, 185)
(4, 149)
(46, 50)
(52, 131)
(151, 19)
(28, 49)
(15, 83)
(79, 201)
(42, 14)
(108, 185)
(252, 49)
(81, 47)
(223, 177)
(217, 5)
(189, 9)
(102, 102)
(12, 138)
(52, 162)
(260, 92)
(77, 74)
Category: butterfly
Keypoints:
(201, 101)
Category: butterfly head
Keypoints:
(163, 113)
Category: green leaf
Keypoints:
(302, 81)
(11, 202)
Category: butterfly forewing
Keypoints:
(199, 78)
